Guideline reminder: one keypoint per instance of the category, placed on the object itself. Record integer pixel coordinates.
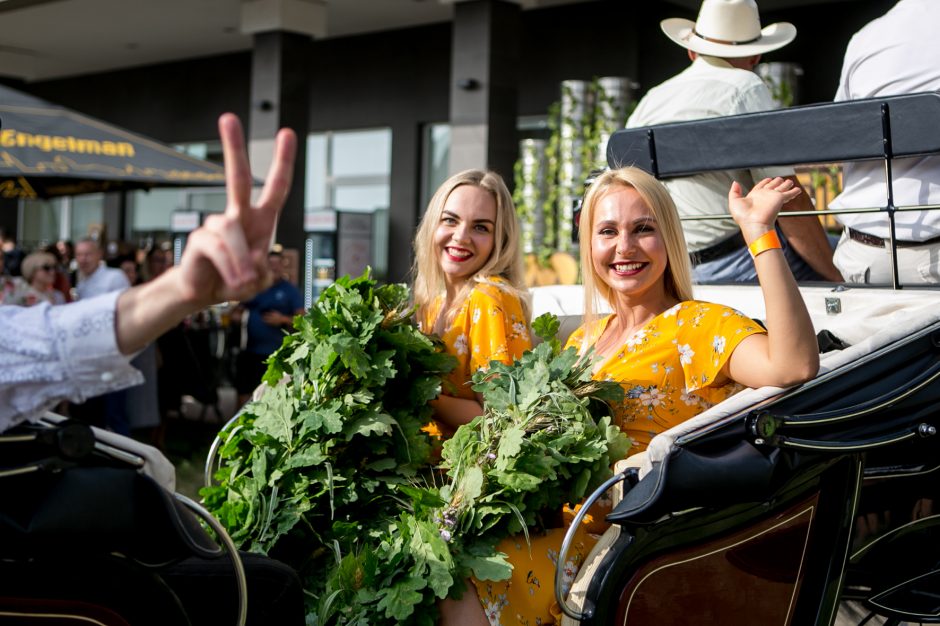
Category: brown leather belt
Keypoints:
(718, 250)
(878, 242)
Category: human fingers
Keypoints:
(224, 245)
(735, 192)
(781, 184)
(278, 182)
(761, 184)
(237, 170)
(789, 194)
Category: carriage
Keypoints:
(773, 507)
(787, 506)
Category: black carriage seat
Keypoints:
(84, 528)
(83, 531)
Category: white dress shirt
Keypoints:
(52, 353)
(898, 53)
(102, 280)
(709, 87)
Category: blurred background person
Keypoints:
(270, 313)
(39, 272)
(61, 281)
(95, 279)
(13, 255)
(10, 286)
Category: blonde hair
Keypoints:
(505, 260)
(678, 274)
(33, 262)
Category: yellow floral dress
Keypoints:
(667, 369)
(488, 326)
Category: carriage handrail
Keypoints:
(241, 582)
(766, 423)
(630, 476)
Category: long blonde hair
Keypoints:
(678, 274)
(504, 262)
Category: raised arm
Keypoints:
(788, 353)
(226, 258)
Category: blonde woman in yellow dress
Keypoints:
(468, 285)
(674, 356)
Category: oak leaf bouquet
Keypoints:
(378, 532)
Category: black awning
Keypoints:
(47, 150)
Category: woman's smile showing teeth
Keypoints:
(464, 236)
(627, 268)
(459, 254)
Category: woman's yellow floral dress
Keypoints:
(667, 369)
(488, 326)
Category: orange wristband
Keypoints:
(767, 241)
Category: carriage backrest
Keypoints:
(843, 131)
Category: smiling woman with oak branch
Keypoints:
(468, 285)
(674, 356)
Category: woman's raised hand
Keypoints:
(756, 212)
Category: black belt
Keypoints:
(878, 242)
(718, 250)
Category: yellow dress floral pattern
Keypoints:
(668, 369)
(488, 326)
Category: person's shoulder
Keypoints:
(715, 314)
(493, 290)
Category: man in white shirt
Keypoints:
(94, 277)
(108, 410)
(724, 45)
(77, 350)
(898, 53)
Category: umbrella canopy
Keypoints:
(47, 150)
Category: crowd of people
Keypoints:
(65, 272)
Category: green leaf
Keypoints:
(374, 424)
(275, 415)
(509, 446)
(490, 567)
(472, 483)
(546, 327)
(352, 355)
(398, 602)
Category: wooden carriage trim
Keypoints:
(810, 510)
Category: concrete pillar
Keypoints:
(280, 93)
(405, 208)
(484, 86)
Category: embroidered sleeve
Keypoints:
(48, 354)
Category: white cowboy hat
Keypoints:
(729, 29)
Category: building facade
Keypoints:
(385, 116)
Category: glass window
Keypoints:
(361, 153)
(88, 216)
(207, 200)
(349, 171)
(360, 197)
(40, 221)
(151, 210)
(436, 160)
(317, 172)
